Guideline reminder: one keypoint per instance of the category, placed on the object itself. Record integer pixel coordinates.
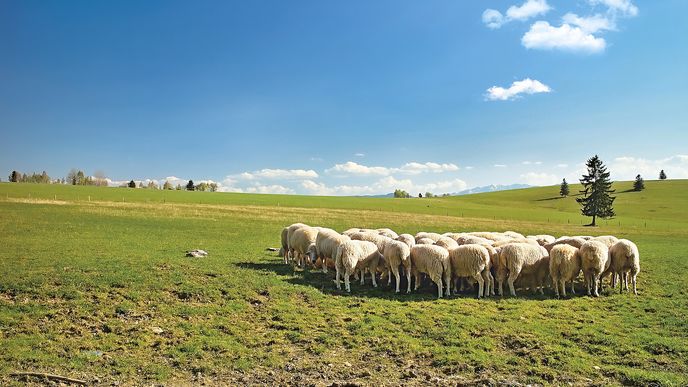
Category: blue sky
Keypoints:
(354, 97)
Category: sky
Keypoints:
(344, 98)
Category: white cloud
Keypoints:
(530, 8)
(353, 168)
(525, 86)
(468, 168)
(534, 178)
(385, 185)
(531, 162)
(268, 189)
(627, 167)
(359, 154)
(411, 168)
(562, 165)
(315, 159)
(544, 36)
(500, 165)
(621, 7)
(284, 174)
(589, 24)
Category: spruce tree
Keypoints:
(190, 186)
(639, 183)
(564, 189)
(662, 175)
(596, 200)
(132, 184)
(14, 176)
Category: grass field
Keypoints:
(88, 273)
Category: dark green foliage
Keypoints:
(190, 186)
(400, 193)
(597, 200)
(132, 184)
(564, 189)
(639, 183)
(662, 175)
(14, 176)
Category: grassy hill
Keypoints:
(88, 274)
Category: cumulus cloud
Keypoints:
(411, 168)
(531, 162)
(293, 174)
(500, 165)
(589, 24)
(468, 167)
(535, 178)
(269, 189)
(543, 36)
(627, 167)
(359, 154)
(621, 7)
(562, 165)
(525, 86)
(383, 186)
(531, 8)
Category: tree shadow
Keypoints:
(547, 199)
(426, 292)
(627, 191)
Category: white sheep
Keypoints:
(290, 231)
(326, 244)
(389, 233)
(576, 242)
(408, 239)
(493, 236)
(355, 255)
(397, 254)
(472, 261)
(513, 235)
(447, 243)
(431, 235)
(302, 245)
(433, 261)
(594, 261)
(285, 244)
(467, 239)
(542, 239)
(608, 240)
(625, 259)
(521, 258)
(564, 266)
(425, 241)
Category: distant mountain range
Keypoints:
(474, 190)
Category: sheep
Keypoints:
(489, 235)
(433, 261)
(471, 239)
(625, 259)
(425, 241)
(302, 244)
(378, 239)
(521, 258)
(432, 235)
(472, 261)
(453, 235)
(542, 239)
(494, 264)
(564, 266)
(389, 233)
(285, 245)
(447, 243)
(290, 230)
(355, 255)
(408, 239)
(608, 240)
(510, 241)
(398, 253)
(326, 244)
(594, 261)
(351, 231)
(513, 235)
(572, 241)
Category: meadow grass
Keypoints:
(83, 283)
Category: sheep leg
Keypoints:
(324, 264)
(374, 280)
(485, 275)
(408, 280)
(573, 291)
(395, 271)
(510, 281)
(563, 287)
(478, 277)
(389, 278)
(595, 283)
(447, 282)
(501, 275)
(556, 282)
(456, 285)
(633, 281)
(438, 281)
(336, 278)
(362, 277)
(492, 283)
(347, 285)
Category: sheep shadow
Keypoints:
(426, 292)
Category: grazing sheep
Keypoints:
(389, 233)
(453, 235)
(473, 240)
(594, 261)
(433, 261)
(302, 245)
(326, 244)
(355, 255)
(489, 235)
(379, 240)
(290, 231)
(285, 244)
(351, 231)
(513, 235)
(584, 237)
(571, 241)
(542, 239)
(397, 254)
(564, 266)
(431, 235)
(625, 259)
(472, 261)
(447, 243)
(425, 241)
(521, 258)
(608, 240)
(494, 264)
(408, 239)
(511, 241)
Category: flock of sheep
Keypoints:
(464, 258)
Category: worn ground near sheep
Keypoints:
(94, 285)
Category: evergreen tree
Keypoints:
(638, 184)
(596, 200)
(167, 185)
(662, 175)
(420, 195)
(132, 184)
(14, 176)
(564, 189)
(190, 186)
